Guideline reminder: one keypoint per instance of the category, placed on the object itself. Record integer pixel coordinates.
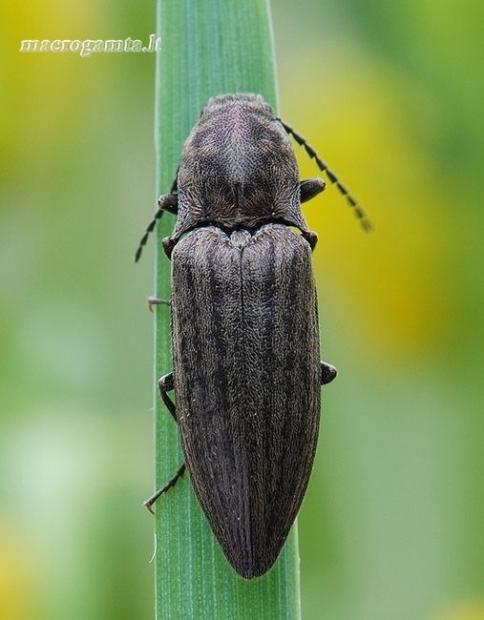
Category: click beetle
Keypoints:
(245, 338)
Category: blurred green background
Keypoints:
(391, 94)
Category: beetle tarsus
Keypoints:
(157, 301)
(151, 500)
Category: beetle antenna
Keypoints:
(144, 238)
(168, 202)
(354, 204)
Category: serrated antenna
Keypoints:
(354, 204)
(168, 202)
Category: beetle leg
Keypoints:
(311, 188)
(311, 237)
(156, 301)
(151, 500)
(166, 384)
(328, 373)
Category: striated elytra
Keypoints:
(247, 378)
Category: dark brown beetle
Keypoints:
(247, 370)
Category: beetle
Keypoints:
(245, 338)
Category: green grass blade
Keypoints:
(209, 47)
